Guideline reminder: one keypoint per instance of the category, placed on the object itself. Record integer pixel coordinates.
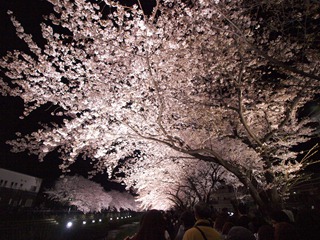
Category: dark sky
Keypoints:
(29, 13)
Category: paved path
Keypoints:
(113, 233)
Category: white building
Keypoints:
(17, 189)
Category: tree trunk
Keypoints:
(266, 201)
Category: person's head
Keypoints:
(240, 233)
(226, 227)
(278, 217)
(285, 231)
(152, 226)
(187, 219)
(266, 232)
(289, 213)
(202, 211)
(243, 209)
(219, 222)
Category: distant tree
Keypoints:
(88, 196)
(175, 183)
(85, 195)
(122, 201)
(199, 185)
(215, 80)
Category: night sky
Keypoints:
(29, 13)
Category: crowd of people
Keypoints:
(203, 223)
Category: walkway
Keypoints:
(113, 233)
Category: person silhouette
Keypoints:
(152, 226)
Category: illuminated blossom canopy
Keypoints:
(218, 81)
(74, 190)
(163, 183)
(122, 201)
(88, 196)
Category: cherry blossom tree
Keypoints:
(199, 185)
(203, 79)
(122, 201)
(88, 196)
(85, 195)
(203, 183)
(175, 183)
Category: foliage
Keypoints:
(199, 185)
(208, 79)
(175, 182)
(88, 196)
(122, 201)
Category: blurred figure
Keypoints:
(285, 231)
(290, 215)
(170, 222)
(152, 226)
(278, 217)
(219, 223)
(265, 232)
(187, 221)
(203, 228)
(226, 228)
(243, 219)
(240, 233)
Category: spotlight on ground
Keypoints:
(69, 225)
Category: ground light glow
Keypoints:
(69, 224)
(84, 222)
